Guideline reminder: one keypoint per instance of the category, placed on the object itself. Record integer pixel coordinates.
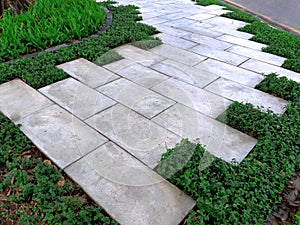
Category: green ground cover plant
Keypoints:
(279, 42)
(47, 23)
(248, 192)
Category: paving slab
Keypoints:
(88, 73)
(60, 136)
(220, 12)
(79, 99)
(254, 54)
(199, 77)
(178, 54)
(266, 68)
(242, 42)
(177, 15)
(196, 98)
(19, 100)
(139, 197)
(220, 140)
(151, 14)
(227, 57)
(139, 136)
(138, 98)
(176, 41)
(237, 74)
(237, 92)
(232, 31)
(154, 21)
(171, 30)
(223, 21)
(180, 22)
(201, 17)
(116, 66)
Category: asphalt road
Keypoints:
(286, 12)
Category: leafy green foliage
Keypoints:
(147, 44)
(108, 57)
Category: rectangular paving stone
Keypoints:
(136, 97)
(231, 30)
(176, 15)
(180, 22)
(142, 75)
(242, 42)
(19, 100)
(200, 17)
(230, 72)
(129, 192)
(220, 140)
(171, 30)
(175, 41)
(151, 15)
(139, 136)
(77, 98)
(262, 67)
(196, 98)
(201, 30)
(138, 55)
(214, 43)
(199, 77)
(261, 56)
(60, 136)
(230, 58)
(220, 12)
(213, 7)
(116, 66)
(241, 93)
(223, 21)
(154, 21)
(178, 54)
(88, 73)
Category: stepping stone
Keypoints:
(140, 99)
(178, 54)
(77, 98)
(176, 41)
(139, 136)
(242, 42)
(19, 100)
(196, 98)
(241, 93)
(88, 73)
(230, 72)
(218, 138)
(130, 193)
(60, 136)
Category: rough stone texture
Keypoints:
(242, 42)
(77, 98)
(219, 139)
(175, 41)
(241, 93)
(140, 99)
(19, 100)
(60, 135)
(139, 136)
(88, 73)
(131, 193)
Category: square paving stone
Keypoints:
(88, 73)
(237, 92)
(77, 98)
(136, 97)
(60, 135)
(178, 54)
(139, 136)
(199, 77)
(129, 192)
(176, 41)
(219, 139)
(19, 100)
(242, 42)
(196, 98)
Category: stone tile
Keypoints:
(77, 98)
(219, 139)
(230, 58)
(155, 20)
(214, 43)
(242, 42)
(175, 41)
(262, 56)
(171, 31)
(150, 15)
(138, 55)
(176, 15)
(140, 99)
(241, 93)
(201, 30)
(139, 136)
(198, 99)
(88, 73)
(214, 7)
(200, 17)
(220, 12)
(230, 72)
(199, 77)
(231, 31)
(223, 21)
(119, 65)
(131, 193)
(142, 75)
(19, 100)
(180, 22)
(60, 136)
(178, 54)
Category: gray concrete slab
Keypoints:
(131, 193)
(201, 29)
(136, 97)
(60, 136)
(137, 135)
(242, 42)
(88, 73)
(175, 41)
(223, 21)
(231, 31)
(77, 98)
(19, 100)
(171, 30)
